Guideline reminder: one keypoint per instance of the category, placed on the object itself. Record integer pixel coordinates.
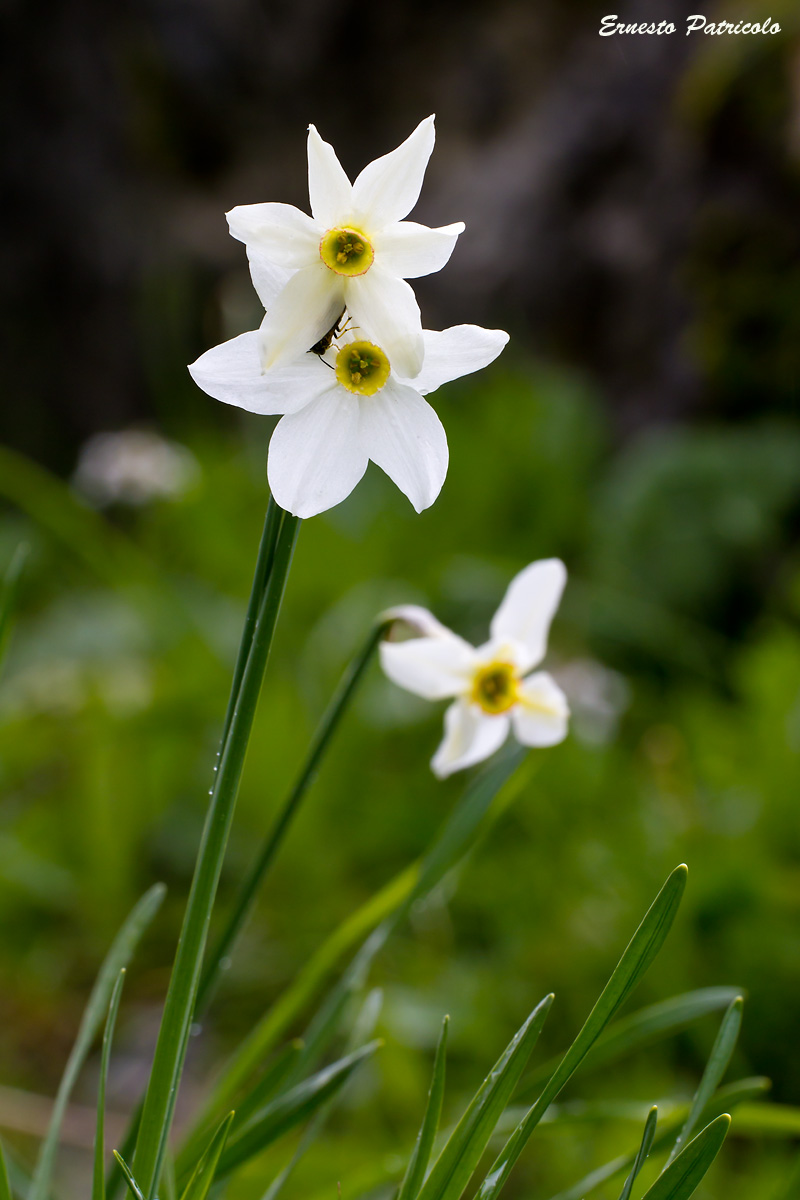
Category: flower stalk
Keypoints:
(274, 561)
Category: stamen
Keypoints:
(362, 368)
(346, 251)
(495, 687)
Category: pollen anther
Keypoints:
(495, 687)
(362, 367)
(346, 251)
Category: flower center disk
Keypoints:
(362, 368)
(346, 251)
(494, 688)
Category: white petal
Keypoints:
(459, 350)
(422, 622)
(287, 235)
(232, 373)
(329, 189)
(388, 188)
(410, 250)
(432, 667)
(385, 309)
(540, 718)
(529, 605)
(315, 459)
(269, 280)
(403, 435)
(470, 736)
(304, 311)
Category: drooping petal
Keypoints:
(403, 435)
(232, 373)
(385, 309)
(409, 250)
(529, 605)
(304, 311)
(329, 189)
(287, 235)
(460, 350)
(432, 667)
(315, 458)
(470, 736)
(540, 718)
(269, 280)
(420, 620)
(389, 187)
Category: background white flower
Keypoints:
(344, 407)
(355, 252)
(493, 688)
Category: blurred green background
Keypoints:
(632, 214)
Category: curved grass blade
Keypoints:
(640, 1029)
(99, 1174)
(327, 727)
(118, 957)
(418, 1163)
(679, 1180)
(173, 1036)
(716, 1067)
(289, 1110)
(128, 1176)
(461, 1154)
(203, 1175)
(642, 949)
(8, 594)
(644, 1149)
(5, 1186)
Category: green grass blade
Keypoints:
(641, 1156)
(249, 889)
(418, 1163)
(464, 1149)
(99, 1174)
(642, 949)
(640, 1029)
(176, 1021)
(790, 1188)
(679, 1180)
(8, 594)
(128, 1176)
(289, 1110)
(5, 1186)
(459, 833)
(716, 1067)
(118, 957)
(203, 1175)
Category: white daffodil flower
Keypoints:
(354, 253)
(345, 405)
(493, 687)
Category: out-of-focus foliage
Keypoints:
(678, 643)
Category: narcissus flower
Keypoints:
(346, 405)
(355, 252)
(494, 687)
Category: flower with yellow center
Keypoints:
(346, 406)
(494, 687)
(354, 252)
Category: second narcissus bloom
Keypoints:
(355, 252)
(494, 687)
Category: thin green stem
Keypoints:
(178, 1013)
(325, 730)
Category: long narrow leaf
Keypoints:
(129, 1178)
(640, 1029)
(203, 1175)
(118, 957)
(716, 1067)
(418, 1163)
(680, 1179)
(644, 946)
(453, 1168)
(641, 1156)
(99, 1175)
(8, 594)
(291, 1109)
(5, 1186)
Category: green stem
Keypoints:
(325, 730)
(179, 1007)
